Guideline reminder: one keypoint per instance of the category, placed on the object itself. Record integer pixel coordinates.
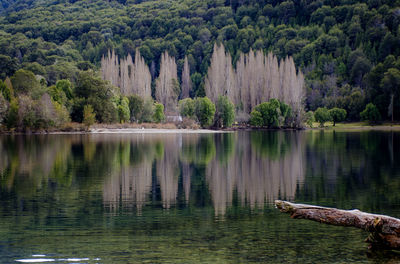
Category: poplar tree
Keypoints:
(258, 78)
(167, 86)
(186, 81)
(131, 78)
(221, 76)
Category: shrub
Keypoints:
(204, 111)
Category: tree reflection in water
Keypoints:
(227, 162)
(253, 168)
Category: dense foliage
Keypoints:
(271, 114)
(349, 50)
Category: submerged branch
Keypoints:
(384, 230)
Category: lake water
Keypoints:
(192, 198)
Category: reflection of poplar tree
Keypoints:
(256, 178)
(168, 172)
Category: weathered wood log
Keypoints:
(384, 230)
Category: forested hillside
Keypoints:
(348, 50)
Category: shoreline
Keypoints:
(169, 128)
(154, 131)
(358, 126)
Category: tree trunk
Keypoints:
(391, 103)
(384, 230)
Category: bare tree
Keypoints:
(131, 78)
(221, 76)
(142, 76)
(167, 86)
(186, 82)
(110, 68)
(257, 78)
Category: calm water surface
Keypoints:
(192, 198)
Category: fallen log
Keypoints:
(384, 230)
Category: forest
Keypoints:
(344, 53)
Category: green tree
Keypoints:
(136, 105)
(371, 114)
(186, 107)
(123, 110)
(337, 115)
(204, 111)
(57, 94)
(322, 115)
(61, 114)
(8, 65)
(98, 93)
(158, 115)
(225, 112)
(24, 82)
(271, 113)
(148, 110)
(89, 117)
(66, 87)
(391, 83)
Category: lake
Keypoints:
(192, 198)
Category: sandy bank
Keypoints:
(152, 131)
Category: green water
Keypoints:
(192, 198)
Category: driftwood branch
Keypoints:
(384, 230)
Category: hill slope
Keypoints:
(344, 47)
